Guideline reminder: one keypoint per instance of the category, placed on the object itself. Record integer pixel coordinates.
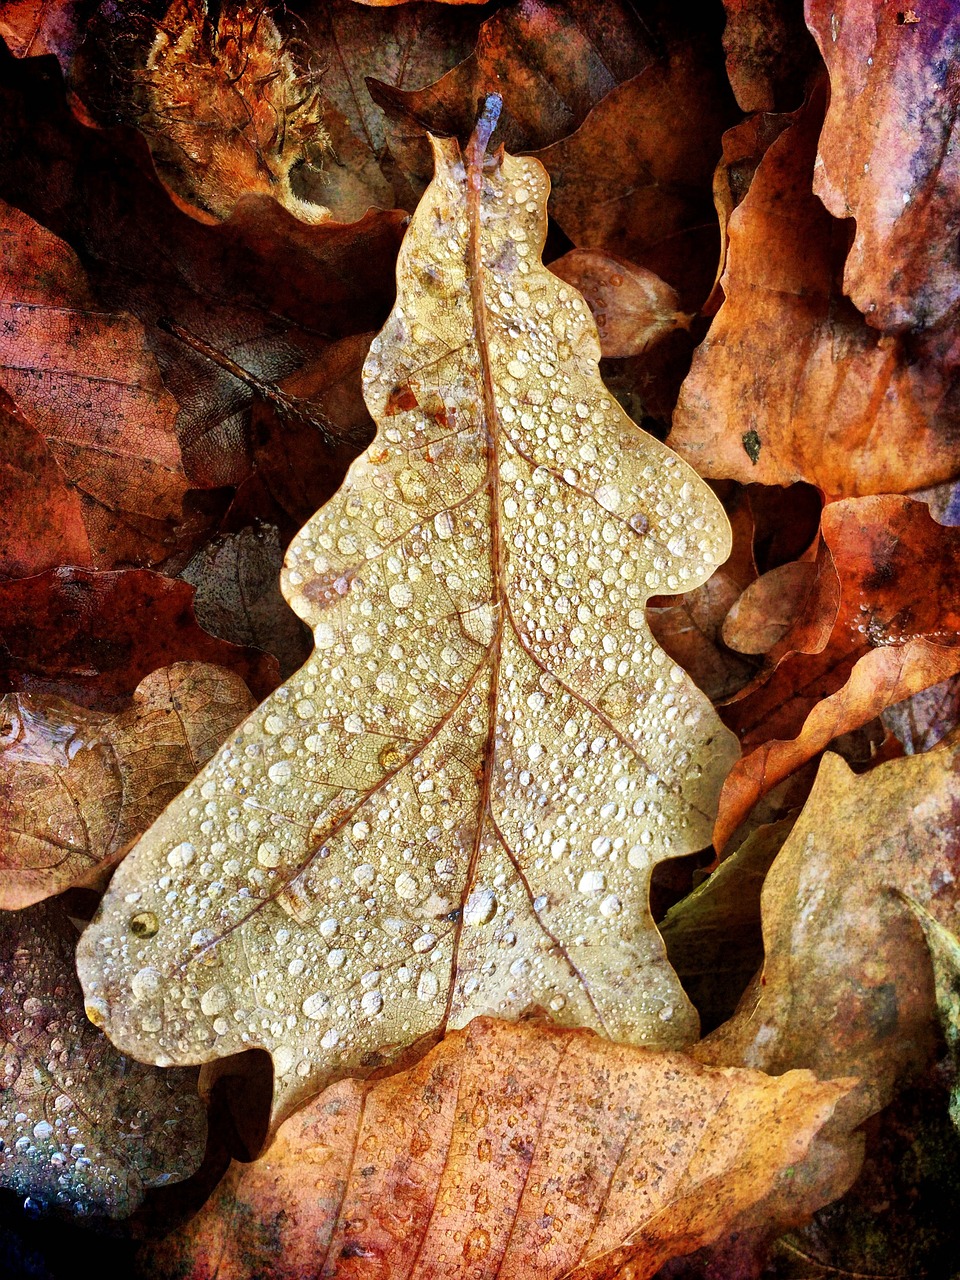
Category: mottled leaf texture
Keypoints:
(889, 154)
(78, 786)
(945, 956)
(509, 1152)
(81, 1126)
(455, 806)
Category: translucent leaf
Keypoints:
(455, 806)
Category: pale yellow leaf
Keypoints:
(455, 806)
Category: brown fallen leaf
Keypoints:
(887, 154)
(92, 393)
(227, 111)
(78, 786)
(84, 1128)
(925, 718)
(34, 27)
(509, 1151)
(791, 383)
(92, 637)
(770, 54)
(895, 631)
(237, 595)
(792, 608)
(636, 178)
(847, 983)
(455, 806)
(633, 307)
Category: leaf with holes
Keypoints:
(455, 806)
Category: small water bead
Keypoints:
(144, 924)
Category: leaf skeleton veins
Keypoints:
(454, 807)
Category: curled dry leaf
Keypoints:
(791, 383)
(888, 154)
(228, 113)
(895, 631)
(83, 1128)
(944, 949)
(456, 805)
(846, 983)
(508, 1152)
(633, 307)
(92, 637)
(34, 27)
(768, 613)
(78, 786)
(92, 394)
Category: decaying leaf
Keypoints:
(455, 806)
(81, 1126)
(888, 154)
(880, 623)
(78, 786)
(945, 956)
(769, 53)
(236, 579)
(92, 393)
(791, 383)
(925, 718)
(846, 977)
(92, 637)
(228, 112)
(633, 307)
(508, 1152)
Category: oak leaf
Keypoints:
(880, 623)
(83, 1127)
(78, 786)
(509, 1151)
(455, 806)
(887, 154)
(791, 383)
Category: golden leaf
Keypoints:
(454, 807)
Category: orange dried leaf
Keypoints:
(84, 1128)
(78, 786)
(894, 631)
(455, 806)
(887, 154)
(791, 383)
(86, 383)
(508, 1152)
(633, 307)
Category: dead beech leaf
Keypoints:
(769, 54)
(888, 154)
(846, 977)
(91, 391)
(893, 630)
(78, 786)
(84, 1128)
(768, 610)
(455, 806)
(236, 580)
(228, 113)
(791, 383)
(633, 307)
(509, 1151)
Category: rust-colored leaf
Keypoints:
(84, 1128)
(769, 54)
(92, 637)
(78, 786)
(455, 806)
(895, 630)
(887, 154)
(636, 178)
(633, 307)
(91, 391)
(791, 383)
(508, 1152)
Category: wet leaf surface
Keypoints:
(415, 829)
(77, 787)
(511, 1151)
(83, 1128)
